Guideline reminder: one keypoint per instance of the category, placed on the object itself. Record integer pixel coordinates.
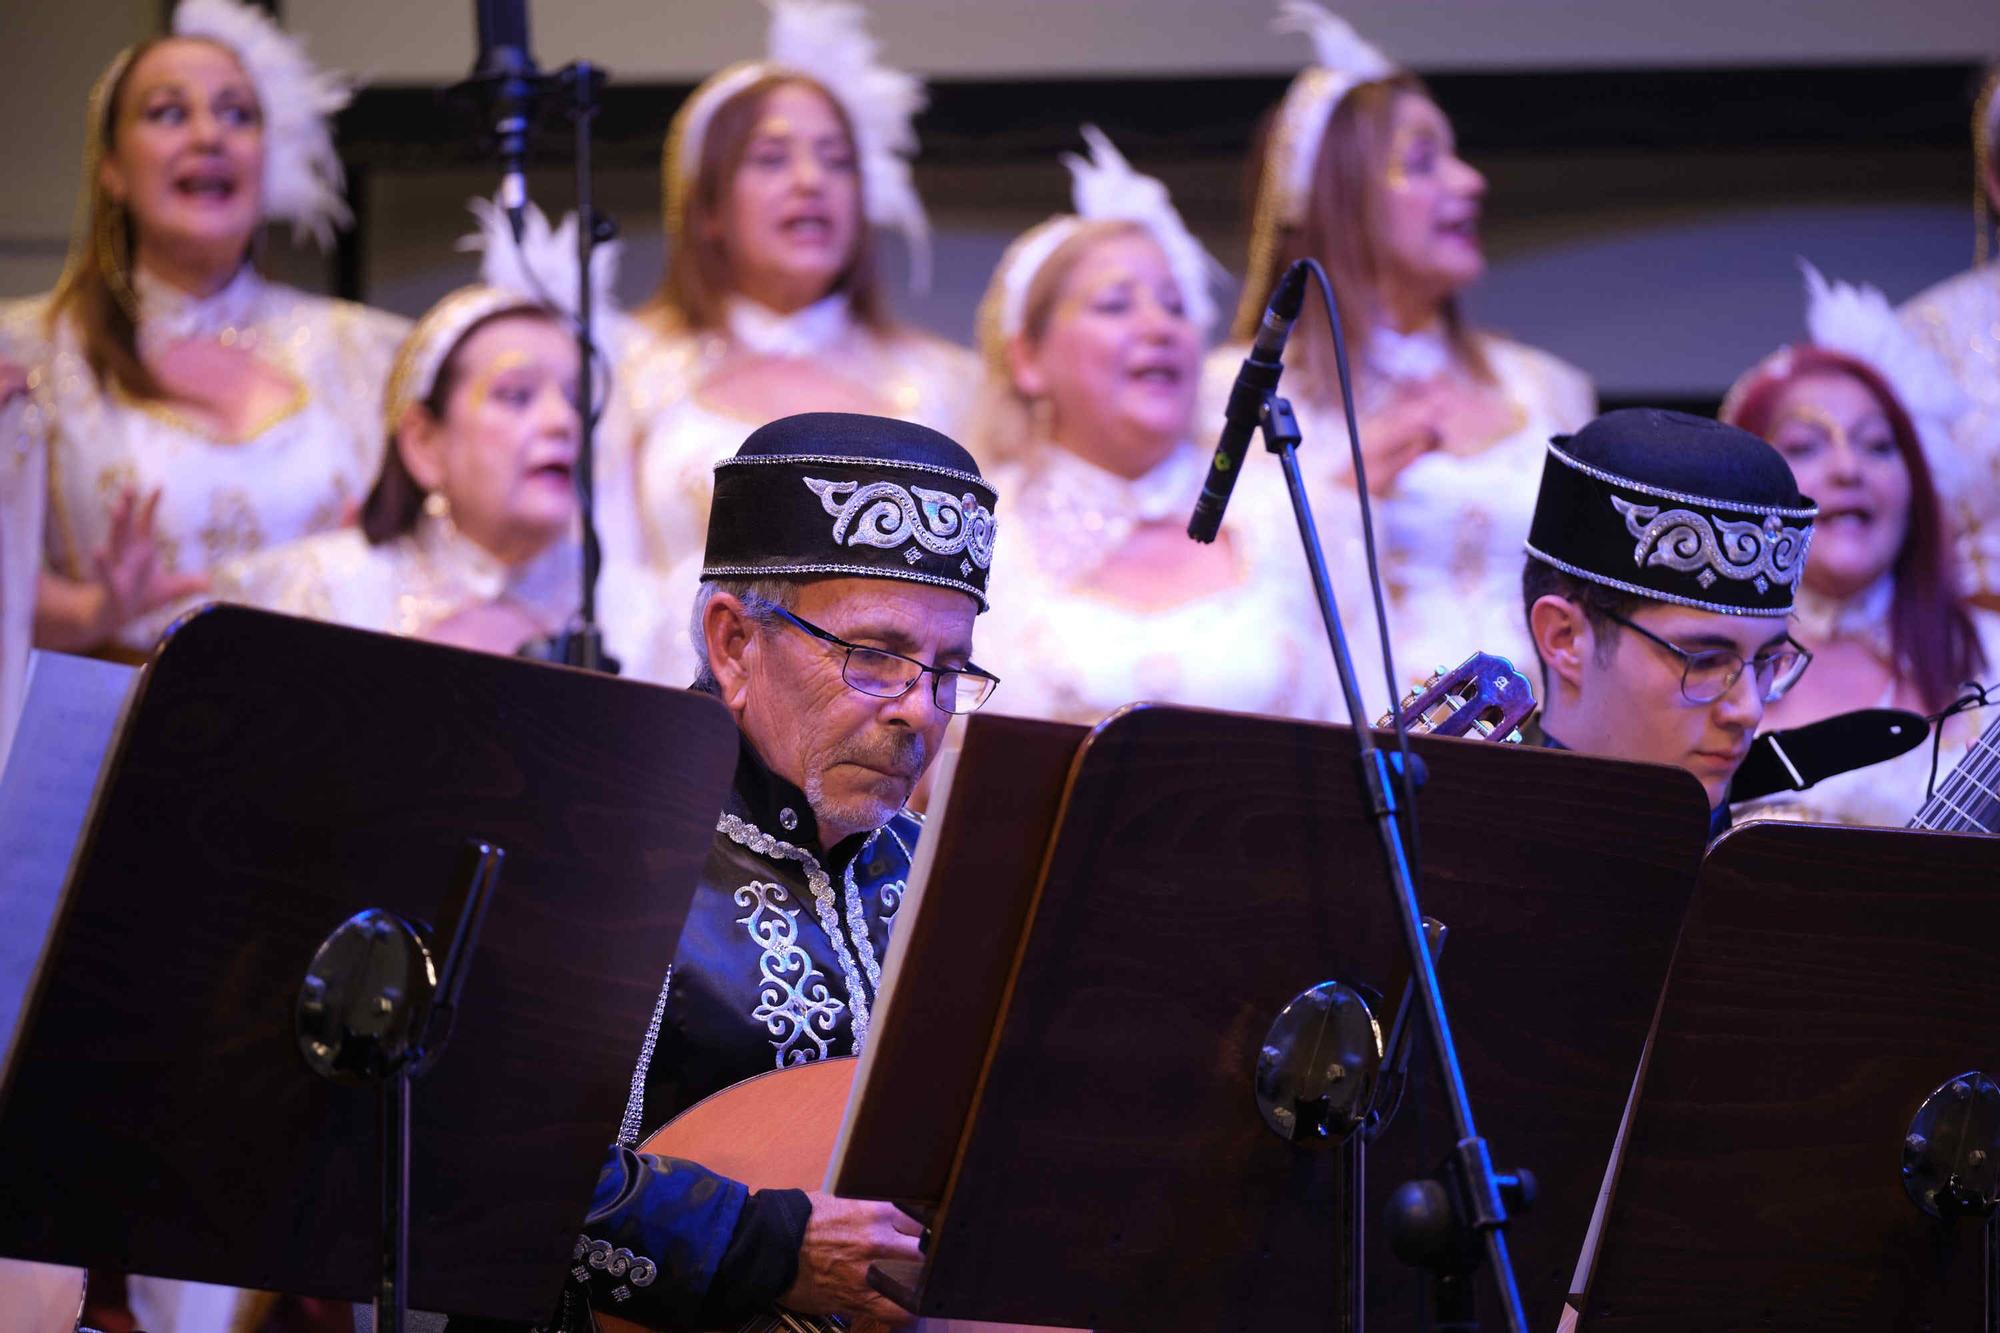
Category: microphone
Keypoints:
(506, 68)
(1254, 383)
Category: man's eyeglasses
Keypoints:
(888, 675)
(1710, 673)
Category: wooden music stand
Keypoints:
(1112, 1170)
(275, 777)
(1829, 979)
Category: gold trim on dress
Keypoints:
(164, 412)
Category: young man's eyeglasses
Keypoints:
(888, 675)
(1709, 673)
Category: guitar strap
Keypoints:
(1798, 757)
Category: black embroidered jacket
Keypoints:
(779, 964)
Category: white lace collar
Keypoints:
(169, 315)
(1408, 357)
(1864, 616)
(460, 572)
(803, 333)
(1080, 513)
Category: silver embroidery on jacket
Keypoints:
(821, 884)
(1760, 553)
(793, 1002)
(891, 895)
(631, 1126)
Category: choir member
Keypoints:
(778, 174)
(188, 409)
(1959, 320)
(1359, 168)
(469, 533)
(1092, 332)
(1861, 411)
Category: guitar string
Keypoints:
(1981, 760)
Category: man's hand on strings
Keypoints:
(843, 1238)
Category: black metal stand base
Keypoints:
(1484, 1211)
(373, 1010)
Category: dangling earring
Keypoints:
(436, 506)
(114, 243)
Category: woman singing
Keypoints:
(468, 535)
(188, 409)
(1860, 412)
(1359, 168)
(778, 172)
(1092, 332)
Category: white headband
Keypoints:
(1104, 187)
(538, 272)
(828, 42)
(1342, 61)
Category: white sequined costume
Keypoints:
(23, 467)
(303, 471)
(1451, 527)
(1066, 648)
(662, 440)
(1888, 794)
(403, 586)
(1959, 319)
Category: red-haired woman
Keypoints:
(1859, 412)
(1359, 169)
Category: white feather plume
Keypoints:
(1336, 45)
(1104, 186)
(829, 40)
(1859, 321)
(542, 266)
(304, 182)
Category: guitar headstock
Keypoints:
(1483, 695)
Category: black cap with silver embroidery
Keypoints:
(1677, 508)
(836, 493)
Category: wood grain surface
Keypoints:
(1207, 869)
(278, 777)
(1828, 981)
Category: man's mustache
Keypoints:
(901, 752)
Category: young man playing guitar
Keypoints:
(1662, 563)
(847, 558)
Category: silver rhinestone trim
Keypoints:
(1612, 478)
(1653, 593)
(838, 461)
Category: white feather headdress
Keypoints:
(1857, 321)
(539, 271)
(303, 179)
(1104, 187)
(1342, 61)
(829, 42)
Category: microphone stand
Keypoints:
(581, 643)
(1478, 1195)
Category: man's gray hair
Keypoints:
(762, 600)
